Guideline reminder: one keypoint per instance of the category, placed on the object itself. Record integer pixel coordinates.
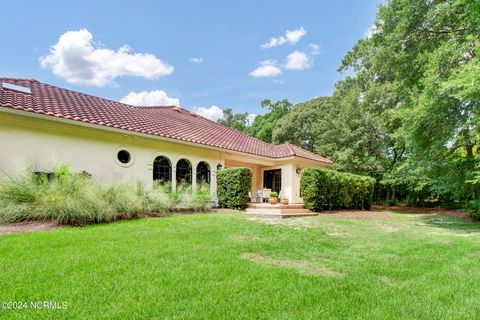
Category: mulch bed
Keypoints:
(27, 227)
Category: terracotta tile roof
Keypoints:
(164, 121)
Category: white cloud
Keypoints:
(150, 98)
(79, 60)
(297, 60)
(371, 31)
(213, 113)
(314, 49)
(195, 60)
(268, 68)
(251, 117)
(290, 37)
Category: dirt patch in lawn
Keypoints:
(387, 228)
(358, 214)
(27, 227)
(459, 214)
(386, 280)
(225, 211)
(305, 267)
(338, 234)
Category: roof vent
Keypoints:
(11, 86)
(177, 109)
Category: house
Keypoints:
(42, 126)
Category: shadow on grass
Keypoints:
(450, 223)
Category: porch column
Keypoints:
(213, 184)
(174, 178)
(194, 179)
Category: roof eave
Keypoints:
(31, 114)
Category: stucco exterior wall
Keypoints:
(40, 144)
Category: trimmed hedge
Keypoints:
(324, 189)
(233, 185)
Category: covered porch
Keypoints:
(282, 177)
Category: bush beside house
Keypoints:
(233, 186)
(76, 199)
(324, 189)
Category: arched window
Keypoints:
(203, 172)
(184, 171)
(162, 169)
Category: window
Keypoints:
(124, 156)
(41, 175)
(162, 169)
(184, 171)
(203, 172)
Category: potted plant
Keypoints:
(273, 197)
(284, 200)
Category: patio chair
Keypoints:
(266, 194)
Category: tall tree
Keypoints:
(425, 54)
(263, 125)
(238, 121)
(300, 126)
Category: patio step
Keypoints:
(280, 215)
(275, 206)
(275, 210)
(278, 210)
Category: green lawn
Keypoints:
(408, 266)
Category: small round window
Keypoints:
(124, 156)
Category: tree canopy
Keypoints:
(263, 125)
(419, 72)
(238, 121)
(408, 113)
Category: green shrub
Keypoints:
(324, 189)
(233, 186)
(273, 194)
(76, 199)
(473, 208)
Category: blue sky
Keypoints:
(196, 53)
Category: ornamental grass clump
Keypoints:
(76, 199)
(202, 198)
(67, 198)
